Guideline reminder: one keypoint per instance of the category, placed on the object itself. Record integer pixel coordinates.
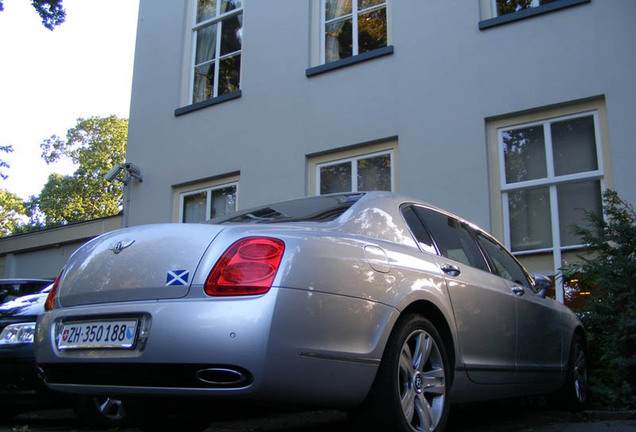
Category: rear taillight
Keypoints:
(248, 267)
(50, 299)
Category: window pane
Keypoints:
(206, 9)
(338, 40)
(453, 238)
(206, 44)
(524, 153)
(223, 201)
(230, 5)
(231, 34)
(505, 265)
(374, 173)
(372, 30)
(336, 8)
(365, 4)
(335, 178)
(574, 200)
(510, 6)
(194, 207)
(229, 74)
(574, 146)
(530, 221)
(203, 83)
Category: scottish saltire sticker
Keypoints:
(177, 277)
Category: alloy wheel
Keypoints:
(421, 381)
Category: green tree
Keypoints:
(610, 316)
(13, 212)
(95, 145)
(51, 11)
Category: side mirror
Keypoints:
(541, 284)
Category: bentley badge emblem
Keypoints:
(120, 246)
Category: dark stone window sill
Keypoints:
(327, 67)
(206, 103)
(527, 13)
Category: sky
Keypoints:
(49, 79)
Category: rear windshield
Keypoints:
(323, 208)
(11, 290)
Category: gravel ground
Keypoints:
(494, 417)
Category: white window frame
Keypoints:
(551, 181)
(208, 190)
(354, 168)
(217, 19)
(354, 29)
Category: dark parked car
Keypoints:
(373, 302)
(12, 288)
(20, 387)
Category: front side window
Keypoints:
(503, 263)
(201, 205)
(217, 43)
(551, 173)
(353, 27)
(361, 173)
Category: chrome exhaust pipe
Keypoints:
(222, 377)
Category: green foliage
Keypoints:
(12, 212)
(51, 11)
(610, 317)
(95, 145)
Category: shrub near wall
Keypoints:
(610, 315)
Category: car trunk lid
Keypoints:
(149, 262)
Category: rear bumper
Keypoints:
(287, 345)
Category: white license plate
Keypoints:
(97, 334)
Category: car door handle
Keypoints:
(451, 270)
(518, 291)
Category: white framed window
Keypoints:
(352, 27)
(551, 173)
(365, 172)
(201, 204)
(217, 33)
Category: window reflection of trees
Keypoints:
(342, 19)
(225, 60)
(510, 6)
(370, 173)
(524, 152)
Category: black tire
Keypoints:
(411, 389)
(573, 394)
(101, 411)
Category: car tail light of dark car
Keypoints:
(248, 267)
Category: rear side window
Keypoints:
(453, 238)
(504, 264)
(417, 228)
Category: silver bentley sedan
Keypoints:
(373, 303)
